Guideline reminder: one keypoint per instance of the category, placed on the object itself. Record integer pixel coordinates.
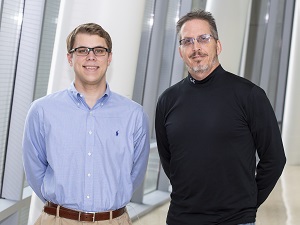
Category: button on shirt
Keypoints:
(88, 159)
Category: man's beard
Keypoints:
(200, 69)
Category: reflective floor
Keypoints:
(281, 208)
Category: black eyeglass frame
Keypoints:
(90, 49)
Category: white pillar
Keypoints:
(121, 19)
(36, 207)
(233, 37)
(291, 118)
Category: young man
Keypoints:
(86, 148)
(209, 127)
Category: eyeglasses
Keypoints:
(202, 39)
(84, 51)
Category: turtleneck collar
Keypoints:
(206, 80)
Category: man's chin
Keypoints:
(199, 69)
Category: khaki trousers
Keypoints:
(46, 219)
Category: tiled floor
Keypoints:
(281, 208)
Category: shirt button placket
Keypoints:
(90, 137)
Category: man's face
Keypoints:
(200, 58)
(89, 69)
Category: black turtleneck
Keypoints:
(207, 134)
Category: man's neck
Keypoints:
(91, 92)
(201, 75)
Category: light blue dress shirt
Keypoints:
(87, 159)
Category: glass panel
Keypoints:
(159, 63)
(198, 4)
(265, 45)
(152, 172)
(256, 41)
(46, 49)
(12, 13)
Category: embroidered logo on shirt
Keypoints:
(192, 80)
(117, 133)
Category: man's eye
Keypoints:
(188, 41)
(99, 50)
(81, 50)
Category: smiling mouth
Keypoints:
(91, 67)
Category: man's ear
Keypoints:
(219, 47)
(70, 57)
(180, 53)
(109, 58)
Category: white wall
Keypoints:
(291, 118)
(121, 19)
(233, 38)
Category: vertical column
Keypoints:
(291, 119)
(233, 37)
(291, 125)
(36, 207)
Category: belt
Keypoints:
(51, 208)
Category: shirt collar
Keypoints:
(206, 80)
(76, 95)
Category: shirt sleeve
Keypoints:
(141, 150)
(161, 138)
(33, 149)
(267, 137)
